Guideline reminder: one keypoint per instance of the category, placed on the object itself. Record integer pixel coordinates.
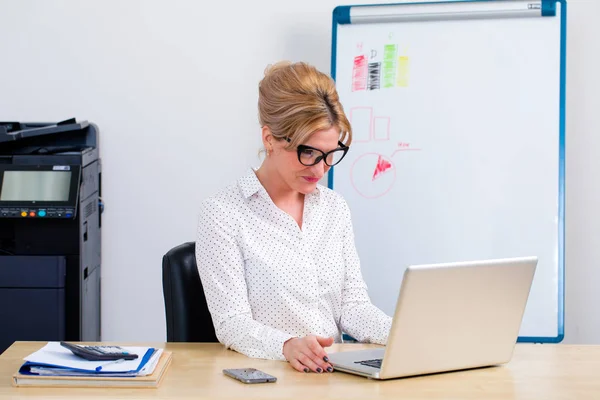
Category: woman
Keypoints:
(275, 250)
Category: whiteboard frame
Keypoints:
(341, 16)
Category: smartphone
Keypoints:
(249, 375)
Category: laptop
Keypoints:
(449, 317)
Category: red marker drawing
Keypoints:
(359, 73)
(381, 167)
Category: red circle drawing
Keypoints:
(372, 175)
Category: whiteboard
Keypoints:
(457, 111)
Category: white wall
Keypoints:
(173, 87)
(582, 292)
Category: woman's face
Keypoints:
(299, 177)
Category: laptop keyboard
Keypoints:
(371, 363)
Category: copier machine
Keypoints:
(50, 224)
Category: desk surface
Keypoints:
(535, 372)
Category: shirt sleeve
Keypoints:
(360, 318)
(222, 272)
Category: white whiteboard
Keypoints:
(458, 146)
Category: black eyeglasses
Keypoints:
(310, 156)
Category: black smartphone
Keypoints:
(249, 375)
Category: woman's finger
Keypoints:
(326, 367)
(319, 355)
(306, 360)
(297, 365)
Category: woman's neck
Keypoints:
(278, 190)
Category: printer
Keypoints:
(50, 232)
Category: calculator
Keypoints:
(99, 353)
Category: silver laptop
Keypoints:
(450, 317)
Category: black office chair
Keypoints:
(188, 318)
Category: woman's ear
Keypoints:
(267, 138)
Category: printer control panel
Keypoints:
(28, 212)
(39, 191)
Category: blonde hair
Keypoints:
(295, 100)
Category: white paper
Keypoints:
(54, 354)
(150, 366)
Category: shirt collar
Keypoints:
(250, 185)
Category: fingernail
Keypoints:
(319, 370)
(329, 369)
(305, 369)
(326, 359)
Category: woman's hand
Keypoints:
(307, 354)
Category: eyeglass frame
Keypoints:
(323, 156)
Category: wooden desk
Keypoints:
(540, 372)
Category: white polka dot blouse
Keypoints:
(266, 280)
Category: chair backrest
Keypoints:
(188, 318)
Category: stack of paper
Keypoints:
(57, 366)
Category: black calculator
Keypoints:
(99, 353)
